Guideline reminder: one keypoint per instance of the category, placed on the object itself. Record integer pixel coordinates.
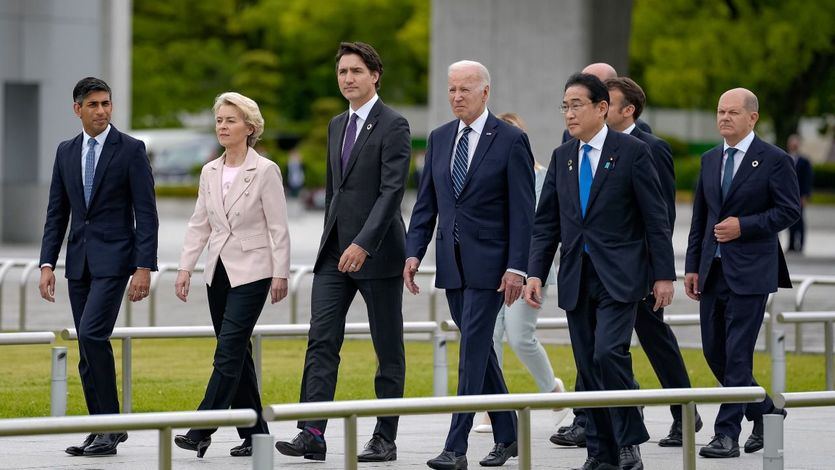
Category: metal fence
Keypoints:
(778, 362)
(773, 458)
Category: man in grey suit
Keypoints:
(362, 249)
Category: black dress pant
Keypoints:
(233, 384)
(95, 303)
(331, 298)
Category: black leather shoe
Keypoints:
(499, 455)
(243, 450)
(674, 438)
(184, 442)
(306, 445)
(594, 464)
(629, 458)
(755, 440)
(720, 447)
(378, 449)
(79, 450)
(574, 435)
(105, 444)
(447, 460)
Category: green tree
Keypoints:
(687, 53)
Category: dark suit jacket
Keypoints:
(494, 211)
(625, 226)
(363, 205)
(638, 124)
(804, 175)
(765, 198)
(118, 232)
(662, 157)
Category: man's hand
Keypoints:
(663, 291)
(512, 285)
(352, 259)
(533, 292)
(727, 230)
(47, 284)
(140, 284)
(409, 271)
(182, 284)
(278, 289)
(691, 286)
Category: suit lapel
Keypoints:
(335, 142)
(242, 180)
(447, 139)
(367, 128)
(608, 155)
(111, 145)
(712, 175)
(75, 179)
(484, 142)
(215, 182)
(750, 163)
(572, 166)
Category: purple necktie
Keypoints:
(350, 137)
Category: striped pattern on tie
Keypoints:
(89, 170)
(459, 169)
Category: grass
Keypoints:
(171, 374)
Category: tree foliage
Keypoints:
(686, 53)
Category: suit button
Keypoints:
(86, 222)
(83, 240)
(237, 213)
(246, 193)
(341, 190)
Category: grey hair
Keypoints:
(751, 102)
(481, 70)
(248, 107)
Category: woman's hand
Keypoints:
(278, 289)
(182, 284)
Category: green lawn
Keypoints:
(171, 374)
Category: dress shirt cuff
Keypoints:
(414, 258)
(47, 265)
(516, 271)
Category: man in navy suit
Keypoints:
(747, 193)
(602, 202)
(102, 187)
(478, 182)
(803, 168)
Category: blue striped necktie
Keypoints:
(89, 169)
(727, 179)
(459, 169)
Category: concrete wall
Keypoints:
(47, 46)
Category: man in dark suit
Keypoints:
(746, 194)
(478, 183)
(602, 202)
(362, 249)
(627, 101)
(803, 168)
(102, 178)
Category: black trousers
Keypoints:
(331, 298)
(95, 303)
(233, 383)
(730, 325)
(600, 329)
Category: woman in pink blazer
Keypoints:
(242, 214)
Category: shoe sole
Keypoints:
(663, 443)
(567, 443)
(388, 458)
(723, 456)
(751, 450)
(290, 452)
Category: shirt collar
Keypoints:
(742, 145)
(364, 109)
(629, 129)
(597, 141)
(478, 125)
(100, 139)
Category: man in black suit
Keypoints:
(747, 193)
(478, 183)
(102, 178)
(362, 249)
(627, 101)
(803, 168)
(602, 202)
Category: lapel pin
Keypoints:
(610, 164)
(368, 127)
(755, 163)
(570, 165)
(488, 133)
(246, 180)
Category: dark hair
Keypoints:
(632, 93)
(85, 86)
(368, 55)
(597, 90)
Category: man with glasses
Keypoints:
(602, 203)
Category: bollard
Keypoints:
(439, 380)
(262, 452)
(350, 443)
(58, 390)
(773, 442)
(778, 362)
(256, 351)
(127, 375)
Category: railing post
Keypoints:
(523, 438)
(24, 280)
(128, 310)
(262, 452)
(688, 435)
(798, 307)
(351, 442)
(433, 305)
(778, 362)
(127, 379)
(58, 389)
(440, 377)
(827, 350)
(773, 442)
(165, 449)
(256, 347)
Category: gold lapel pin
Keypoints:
(755, 163)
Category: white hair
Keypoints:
(480, 70)
(248, 108)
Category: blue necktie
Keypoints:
(585, 178)
(89, 169)
(459, 169)
(727, 179)
(350, 138)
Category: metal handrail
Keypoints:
(804, 399)
(828, 319)
(773, 452)
(799, 299)
(162, 421)
(523, 403)
(28, 337)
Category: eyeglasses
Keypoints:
(574, 107)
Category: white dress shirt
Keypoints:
(629, 129)
(85, 146)
(362, 116)
(596, 143)
(741, 149)
(477, 127)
